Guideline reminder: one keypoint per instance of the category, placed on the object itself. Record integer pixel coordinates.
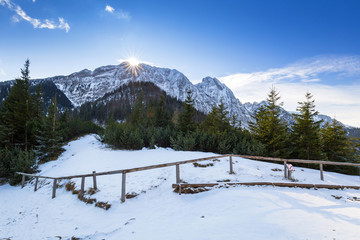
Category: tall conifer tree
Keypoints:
(49, 139)
(16, 112)
(217, 121)
(162, 116)
(268, 127)
(335, 144)
(136, 118)
(306, 130)
(186, 118)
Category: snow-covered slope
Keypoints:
(159, 213)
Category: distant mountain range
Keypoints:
(89, 86)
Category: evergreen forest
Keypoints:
(33, 129)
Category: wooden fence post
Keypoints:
(177, 173)
(22, 181)
(54, 189)
(36, 183)
(289, 174)
(94, 181)
(123, 185)
(231, 165)
(321, 172)
(82, 186)
(285, 170)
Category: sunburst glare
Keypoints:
(133, 66)
(133, 61)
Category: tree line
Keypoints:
(30, 133)
(269, 135)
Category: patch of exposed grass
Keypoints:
(103, 205)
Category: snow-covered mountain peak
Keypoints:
(82, 73)
(212, 82)
(87, 86)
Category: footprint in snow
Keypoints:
(130, 220)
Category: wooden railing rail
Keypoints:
(177, 165)
(123, 172)
(285, 161)
(299, 160)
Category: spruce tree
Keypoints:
(336, 146)
(162, 116)
(186, 118)
(136, 118)
(268, 127)
(49, 138)
(306, 130)
(16, 114)
(217, 120)
(37, 112)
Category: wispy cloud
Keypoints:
(109, 9)
(119, 13)
(336, 98)
(37, 23)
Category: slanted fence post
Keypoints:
(36, 183)
(285, 170)
(177, 173)
(231, 165)
(54, 189)
(22, 181)
(123, 185)
(321, 172)
(94, 180)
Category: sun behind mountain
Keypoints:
(133, 61)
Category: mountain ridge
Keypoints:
(88, 86)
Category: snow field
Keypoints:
(260, 212)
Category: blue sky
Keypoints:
(300, 44)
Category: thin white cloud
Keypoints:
(338, 98)
(109, 9)
(310, 80)
(119, 13)
(37, 23)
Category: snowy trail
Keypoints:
(158, 213)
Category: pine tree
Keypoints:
(217, 120)
(150, 114)
(16, 114)
(268, 127)
(335, 144)
(162, 116)
(306, 130)
(186, 118)
(37, 112)
(136, 118)
(49, 139)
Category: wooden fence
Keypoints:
(123, 172)
(94, 174)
